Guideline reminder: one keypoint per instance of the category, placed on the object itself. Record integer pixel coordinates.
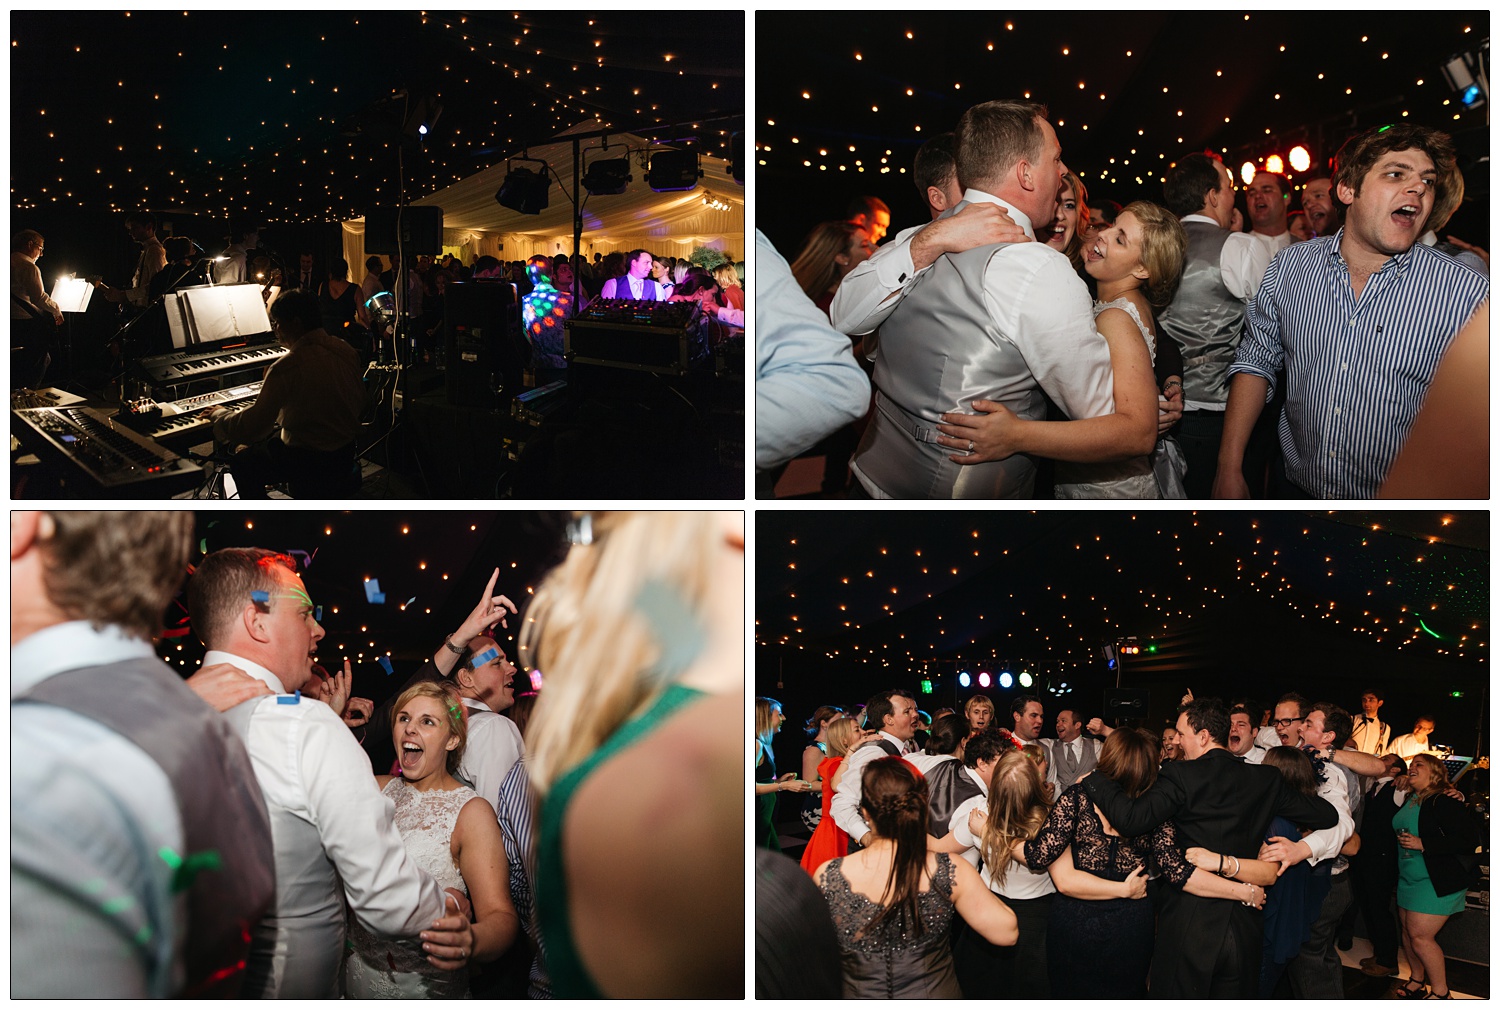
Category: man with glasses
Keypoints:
(314, 394)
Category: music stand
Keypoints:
(72, 294)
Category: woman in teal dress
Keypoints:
(635, 754)
(1437, 838)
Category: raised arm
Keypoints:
(488, 612)
(1130, 431)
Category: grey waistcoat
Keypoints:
(1204, 319)
(939, 351)
(218, 800)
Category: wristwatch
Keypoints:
(457, 650)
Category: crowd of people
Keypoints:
(227, 835)
(1225, 856)
(1188, 348)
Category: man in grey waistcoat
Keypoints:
(1010, 323)
(1072, 755)
(1220, 275)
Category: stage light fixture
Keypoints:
(673, 171)
(1025, 679)
(1299, 157)
(523, 191)
(607, 177)
(984, 679)
(1275, 165)
(1006, 680)
(963, 679)
(1247, 172)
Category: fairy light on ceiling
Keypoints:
(236, 113)
(1127, 92)
(1044, 590)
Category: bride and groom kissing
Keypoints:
(998, 328)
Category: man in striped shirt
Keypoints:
(1359, 322)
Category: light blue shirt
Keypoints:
(807, 385)
(92, 911)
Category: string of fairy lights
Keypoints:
(1200, 572)
(244, 126)
(907, 97)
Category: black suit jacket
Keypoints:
(1217, 801)
(1209, 947)
(1450, 836)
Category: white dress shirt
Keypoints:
(925, 762)
(85, 798)
(1243, 262)
(26, 281)
(1406, 746)
(845, 803)
(494, 746)
(1020, 881)
(311, 770)
(1370, 735)
(859, 304)
(1272, 244)
(231, 270)
(958, 823)
(631, 287)
(1325, 844)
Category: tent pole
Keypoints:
(577, 215)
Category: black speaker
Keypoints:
(1125, 703)
(486, 354)
(673, 171)
(421, 231)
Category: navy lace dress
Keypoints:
(893, 962)
(1101, 948)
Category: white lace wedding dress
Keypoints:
(1131, 478)
(399, 969)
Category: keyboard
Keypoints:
(98, 458)
(183, 366)
(180, 424)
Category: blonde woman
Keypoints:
(450, 832)
(729, 283)
(768, 722)
(633, 751)
(1137, 264)
(828, 839)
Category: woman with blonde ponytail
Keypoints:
(634, 753)
(893, 901)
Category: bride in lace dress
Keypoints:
(450, 832)
(1137, 264)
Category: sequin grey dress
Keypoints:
(399, 969)
(892, 963)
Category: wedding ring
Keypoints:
(971, 445)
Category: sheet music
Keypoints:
(72, 294)
(225, 312)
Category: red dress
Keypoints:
(828, 840)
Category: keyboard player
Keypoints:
(314, 395)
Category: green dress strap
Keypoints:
(570, 979)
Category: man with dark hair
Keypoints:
(1289, 718)
(1242, 742)
(1322, 209)
(334, 830)
(232, 266)
(1208, 947)
(870, 215)
(893, 714)
(142, 228)
(1268, 197)
(1018, 323)
(1220, 274)
(141, 852)
(314, 394)
(1376, 869)
(935, 175)
(637, 284)
(1358, 321)
(1072, 755)
(1026, 718)
(1371, 735)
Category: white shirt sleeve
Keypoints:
(845, 803)
(959, 825)
(807, 384)
(873, 289)
(1243, 262)
(1267, 738)
(1325, 844)
(494, 747)
(390, 894)
(1032, 293)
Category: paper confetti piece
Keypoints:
(385, 662)
(289, 699)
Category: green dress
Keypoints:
(570, 979)
(1414, 891)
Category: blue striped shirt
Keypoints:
(514, 809)
(1356, 369)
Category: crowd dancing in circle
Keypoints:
(1226, 857)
